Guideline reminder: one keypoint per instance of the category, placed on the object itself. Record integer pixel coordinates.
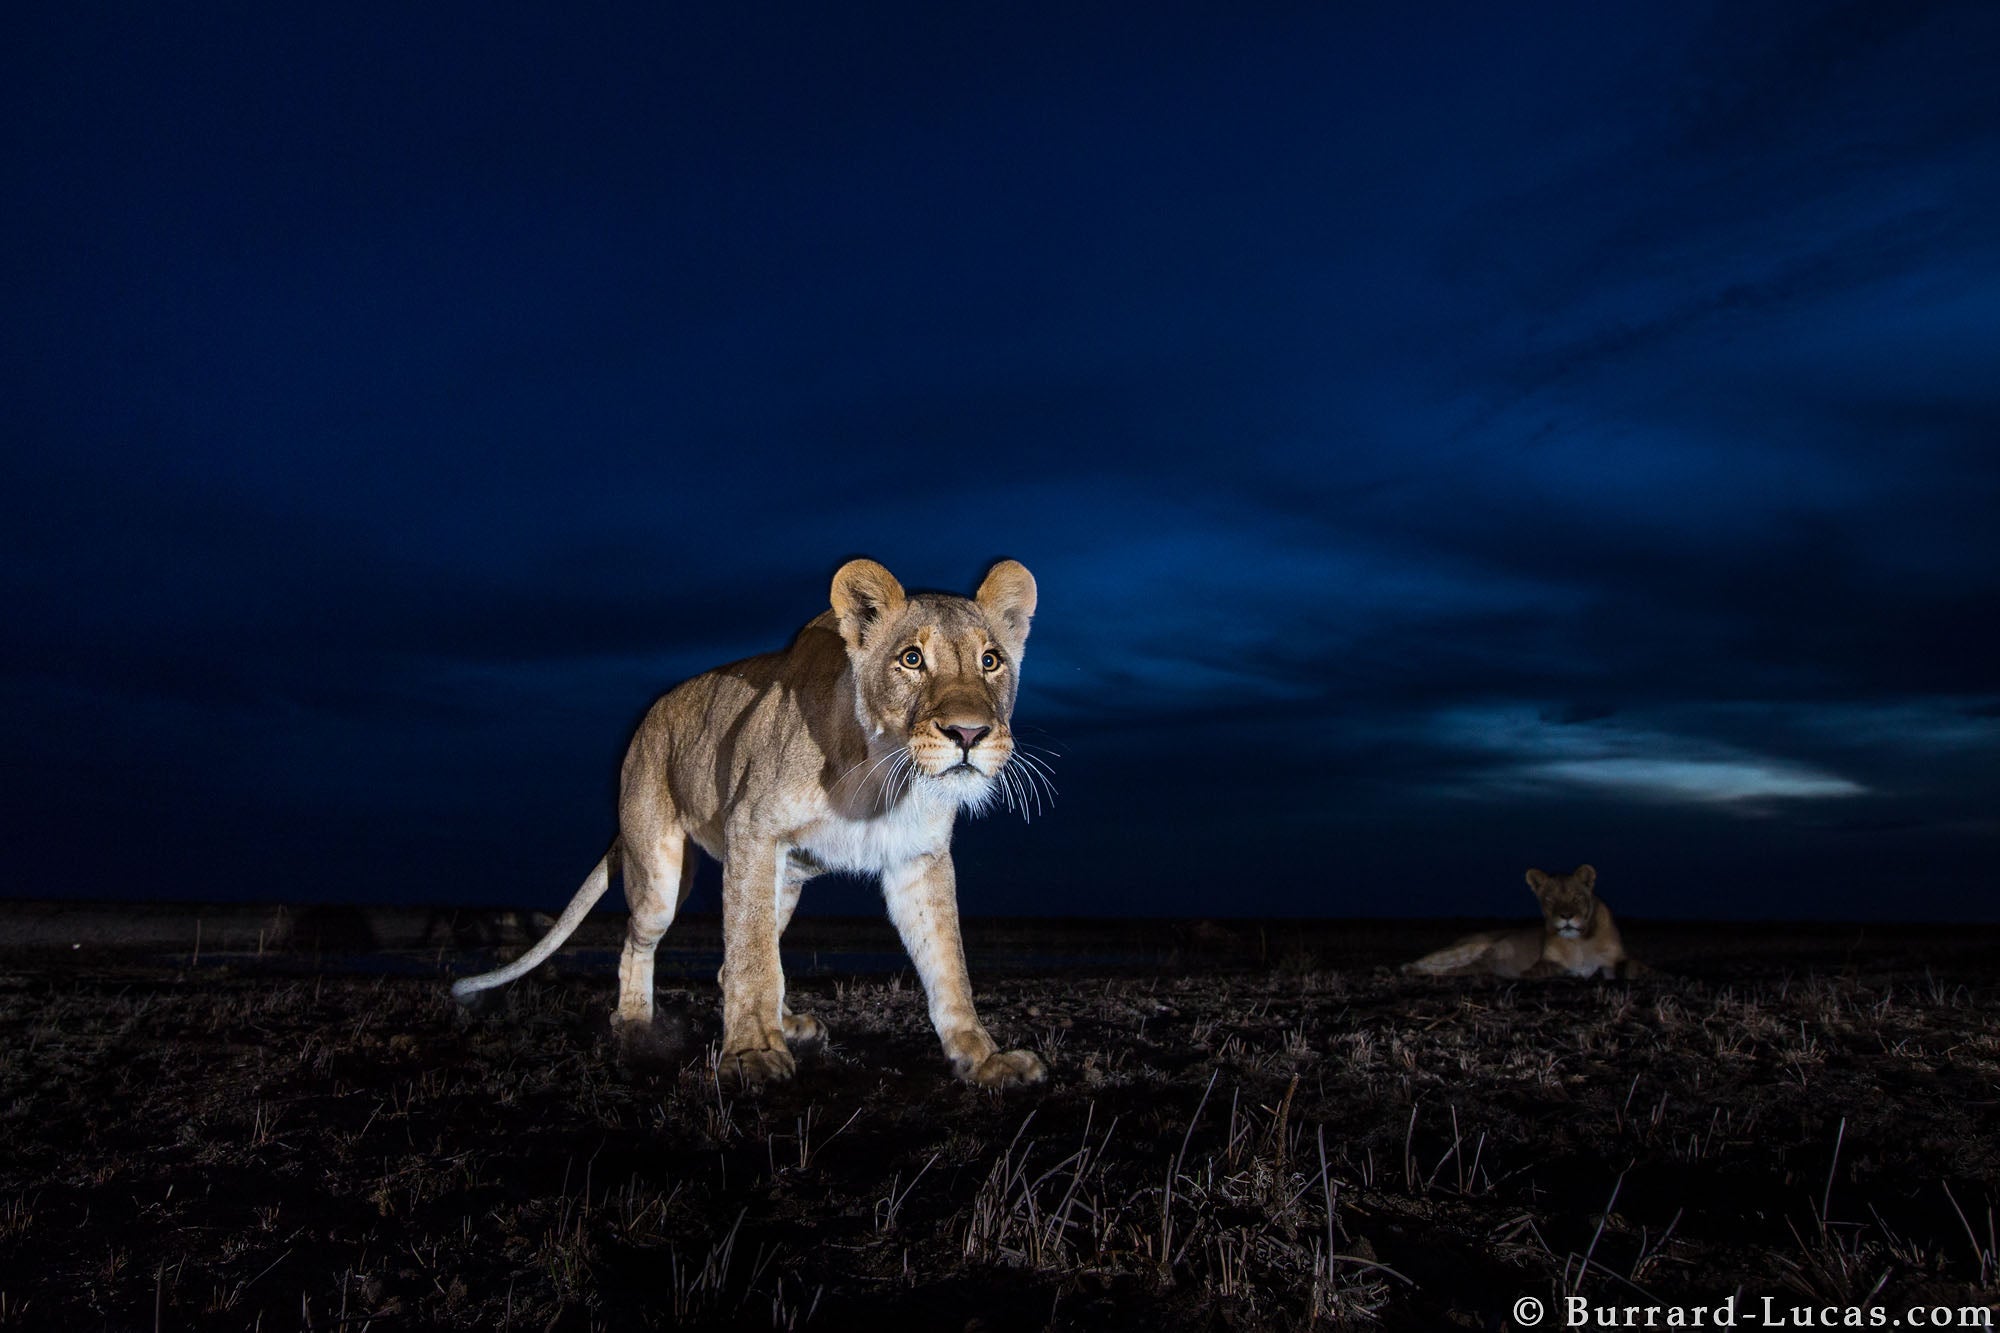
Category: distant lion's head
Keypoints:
(937, 674)
(1569, 902)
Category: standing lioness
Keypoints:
(853, 749)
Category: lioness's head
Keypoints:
(1569, 902)
(937, 674)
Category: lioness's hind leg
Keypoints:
(658, 875)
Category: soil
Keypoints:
(1247, 1127)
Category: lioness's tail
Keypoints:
(572, 916)
(1453, 958)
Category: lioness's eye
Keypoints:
(913, 658)
(990, 660)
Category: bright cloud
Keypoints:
(1615, 755)
(1697, 779)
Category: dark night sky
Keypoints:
(1447, 440)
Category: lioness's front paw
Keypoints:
(750, 1072)
(1005, 1069)
(804, 1034)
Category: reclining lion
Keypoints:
(1577, 938)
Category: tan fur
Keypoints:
(830, 755)
(1577, 938)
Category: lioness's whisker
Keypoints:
(1033, 774)
(1038, 768)
(1020, 790)
(879, 761)
(881, 799)
(898, 761)
(1016, 798)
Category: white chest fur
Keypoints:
(916, 827)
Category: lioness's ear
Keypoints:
(1538, 881)
(1007, 595)
(864, 594)
(1585, 875)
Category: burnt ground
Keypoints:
(1246, 1128)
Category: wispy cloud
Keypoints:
(1527, 747)
(1694, 779)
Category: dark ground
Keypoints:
(1246, 1127)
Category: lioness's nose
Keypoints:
(967, 737)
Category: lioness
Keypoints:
(1577, 938)
(854, 749)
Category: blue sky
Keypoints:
(1446, 440)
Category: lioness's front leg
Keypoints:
(753, 982)
(923, 902)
